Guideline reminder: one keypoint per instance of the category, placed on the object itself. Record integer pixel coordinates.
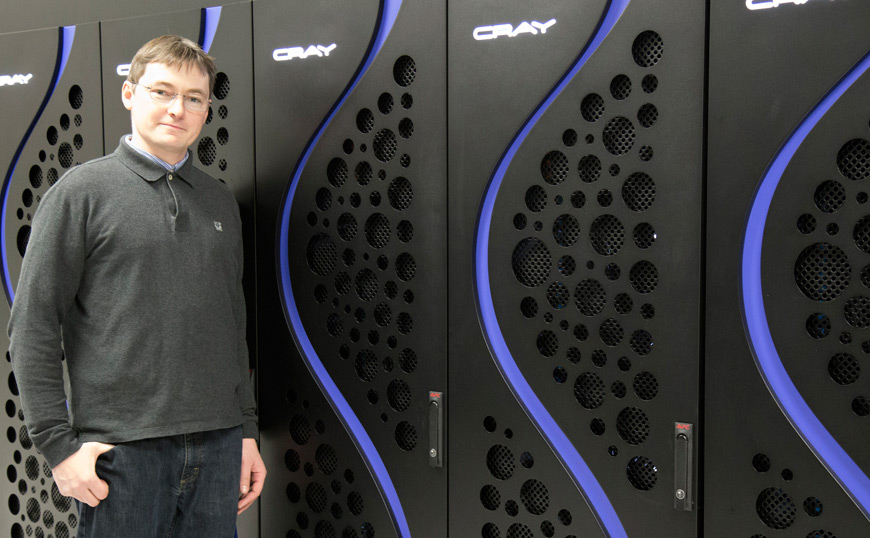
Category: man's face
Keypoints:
(166, 130)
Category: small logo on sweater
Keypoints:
(218, 226)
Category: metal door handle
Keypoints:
(683, 433)
(436, 429)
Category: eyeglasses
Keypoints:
(166, 97)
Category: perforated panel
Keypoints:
(368, 288)
(768, 482)
(613, 317)
(822, 247)
(324, 481)
(289, 109)
(518, 495)
(223, 149)
(68, 133)
(594, 192)
(367, 257)
(35, 505)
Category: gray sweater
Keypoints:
(134, 274)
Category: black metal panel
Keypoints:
(225, 148)
(594, 253)
(768, 69)
(289, 110)
(66, 132)
(21, 16)
(369, 288)
(494, 85)
(295, 92)
(318, 484)
(815, 272)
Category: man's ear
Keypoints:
(127, 94)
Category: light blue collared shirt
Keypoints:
(158, 160)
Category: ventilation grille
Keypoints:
(583, 256)
(833, 274)
(215, 143)
(515, 488)
(36, 506)
(324, 490)
(55, 154)
(823, 242)
(363, 256)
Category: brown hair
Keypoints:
(174, 51)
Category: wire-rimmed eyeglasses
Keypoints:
(192, 103)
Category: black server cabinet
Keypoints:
(787, 264)
(575, 261)
(351, 181)
(225, 147)
(50, 109)
(23, 16)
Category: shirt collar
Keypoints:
(168, 167)
(146, 168)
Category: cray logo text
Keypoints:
(483, 33)
(767, 4)
(11, 80)
(283, 55)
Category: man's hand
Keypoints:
(253, 475)
(76, 476)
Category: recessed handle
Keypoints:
(683, 433)
(436, 429)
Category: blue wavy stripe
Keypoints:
(389, 10)
(66, 36)
(555, 437)
(794, 407)
(211, 16)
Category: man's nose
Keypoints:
(176, 107)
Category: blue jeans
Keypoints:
(182, 486)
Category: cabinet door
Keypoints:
(575, 167)
(353, 341)
(786, 403)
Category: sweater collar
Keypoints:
(144, 167)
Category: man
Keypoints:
(134, 267)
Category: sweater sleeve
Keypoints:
(47, 287)
(245, 392)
